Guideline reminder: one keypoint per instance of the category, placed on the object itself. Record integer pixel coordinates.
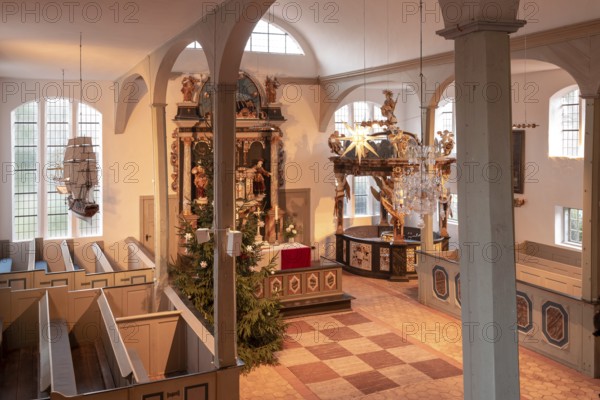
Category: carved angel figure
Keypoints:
(395, 138)
(341, 190)
(388, 107)
(271, 86)
(446, 143)
(334, 143)
(188, 85)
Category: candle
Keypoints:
(276, 212)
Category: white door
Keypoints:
(147, 224)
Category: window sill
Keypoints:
(568, 246)
(566, 158)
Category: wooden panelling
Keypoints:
(130, 300)
(158, 339)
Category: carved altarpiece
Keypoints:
(258, 137)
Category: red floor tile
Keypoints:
(313, 372)
(380, 359)
(437, 368)
(371, 382)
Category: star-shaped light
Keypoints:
(359, 142)
(188, 237)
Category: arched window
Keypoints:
(355, 113)
(444, 117)
(362, 203)
(40, 132)
(565, 139)
(267, 38)
(194, 45)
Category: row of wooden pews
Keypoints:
(103, 343)
(24, 265)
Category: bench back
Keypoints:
(102, 264)
(66, 256)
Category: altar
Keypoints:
(287, 256)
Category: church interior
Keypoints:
(241, 199)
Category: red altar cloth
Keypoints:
(295, 256)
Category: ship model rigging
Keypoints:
(80, 170)
(80, 176)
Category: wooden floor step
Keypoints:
(317, 305)
(104, 366)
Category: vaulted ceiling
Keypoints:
(40, 39)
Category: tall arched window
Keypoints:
(565, 138)
(40, 132)
(362, 202)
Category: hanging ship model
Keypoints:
(80, 176)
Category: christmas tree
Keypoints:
(260, 326)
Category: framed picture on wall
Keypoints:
(518, 161)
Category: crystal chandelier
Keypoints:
(419, 185)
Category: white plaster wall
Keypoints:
(549, 182)
(132, 152)
(307, 162)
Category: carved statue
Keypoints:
(188, 85)
(388, 107)
(259, 177)
(341, 190)
(271, 86)
(446, 144)
(385, 197)
(334, 143)
(445, 213)
(395, 138)
(200, 181)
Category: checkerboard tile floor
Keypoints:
(356, 356)
(366, 354)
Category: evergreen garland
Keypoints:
(260, 326)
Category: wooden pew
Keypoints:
(45, 379)
(66, 256)
(62, 372)
(166, 328)
(1, 336)
(114, 348)
(138, 257)
(22, 255)
(102, 264)
(139, 371)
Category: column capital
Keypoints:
(187, 140)
(454, 32)
(159, 105)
